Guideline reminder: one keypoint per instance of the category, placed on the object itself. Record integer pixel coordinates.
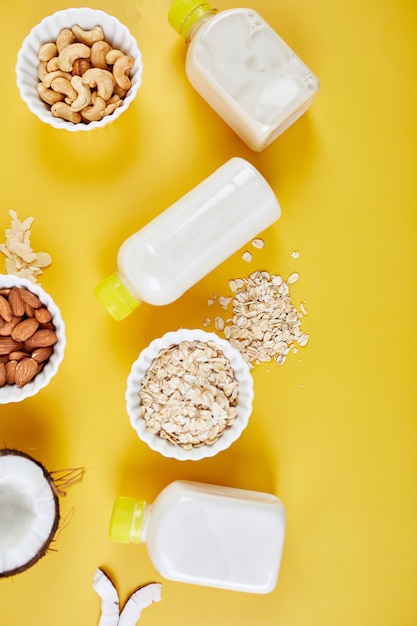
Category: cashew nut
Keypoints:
(99, 49)
(63, 85)
(95, 112)
(64, 111)
(88, 37)
(69, 54)
(47, 81)
(112, 107)
(49, 95)
(81, 66)
(47, 51)
(113, 55)
(83, 99)
(42, 70)
(64, 39)
(102, 79)
(121, 69)
(52, 65)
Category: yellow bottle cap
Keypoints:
(114, 296)
(126, 520)
(184, 13)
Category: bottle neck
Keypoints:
(138, 522)
(194, 21)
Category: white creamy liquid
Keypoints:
(216, 536)
(195, 234)
(249, 75)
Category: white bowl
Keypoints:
(47, 30)
(245, 396)
(13, 393)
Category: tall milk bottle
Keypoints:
(243, 69)
(207, 534)
(185, 242)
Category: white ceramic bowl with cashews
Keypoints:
(189, 395)
(32, 338)
(64, 88)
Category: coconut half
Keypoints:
(29, 511)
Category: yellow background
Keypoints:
(333, 431)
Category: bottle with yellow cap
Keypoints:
(185, 242)
(243, 69)
(207, 534)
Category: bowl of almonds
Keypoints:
(189, 395)
(32, 338)
(79, 69)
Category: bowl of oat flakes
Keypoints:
(79, 69)
(189, 395)
(32, 338)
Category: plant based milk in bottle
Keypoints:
(243, 69)
(185, 242)
(207, 535)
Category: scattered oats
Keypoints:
(206, 322)
(292, 278)
(189, 394)
(21, 260)
(303, 309)
(210, 301)
(219, 323)
(258, 243)
(264, 325)
(224, 302)
(295, 254)
(303, 340)
(246, 256)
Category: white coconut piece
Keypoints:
(29, 511)
(104, 587)
(139, 600)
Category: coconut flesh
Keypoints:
(29, 511)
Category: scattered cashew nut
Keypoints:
(88, 37)
(69, 54)
(64, 111)
(102, 79)
(83, 99)
(120, 70)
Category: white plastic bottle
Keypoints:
(243, 69)
(207, 535)
(185, 242)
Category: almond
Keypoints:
(2, 374)
(42, 354)
(16, 302)
(43, 315)
(18, 355)
(6, 329)
(41, 339)
(25, 329)
(26, 369)
(30, 298)
(11, 372)
(7, 345)
(5, 309)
